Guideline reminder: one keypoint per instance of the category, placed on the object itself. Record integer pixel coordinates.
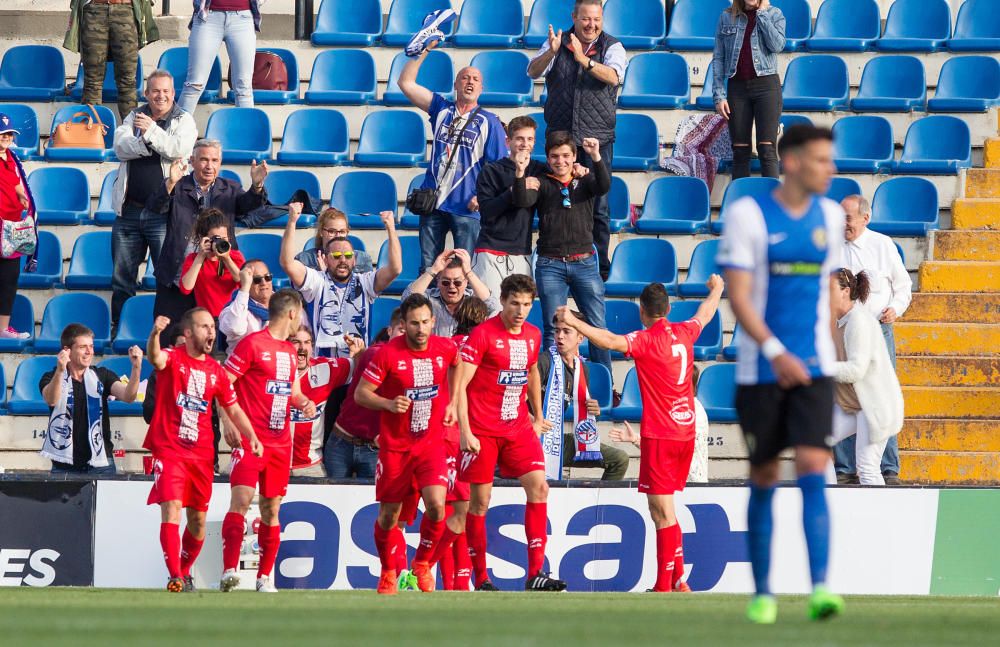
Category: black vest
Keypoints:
(577, 101)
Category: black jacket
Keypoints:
(504, 227)
(578, 102)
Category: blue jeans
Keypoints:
(63, 468)
(433, 229)
(236, 29)
(843, 452)
(558, 279)
(344, 460)
(602, 210)
(133, 234)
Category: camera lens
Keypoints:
(220, 245)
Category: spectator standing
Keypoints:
(583, 69)
(748, 37)
(14, 200)
(149, 140)
(246, 311)
(332, 223)
(453, 280)
(213, 272)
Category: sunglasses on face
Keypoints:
(336, 255)
(447, 283)
(260, 280)
(565, 196)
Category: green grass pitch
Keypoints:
(48, 617)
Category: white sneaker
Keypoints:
(10, 333)
(230, 580)
(265, 585)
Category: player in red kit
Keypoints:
(499, 366)
(180, 437)
(262, 370)
(664, 359)
(408, 381)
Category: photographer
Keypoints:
(213, 272)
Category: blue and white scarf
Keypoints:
(58, 443)
(585, 434)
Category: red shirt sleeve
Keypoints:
(637, 343)
(378, 369)
(241, 358)
(188, 262)
(225, 395)
(475, 346)
(340, 372)
(689, 331)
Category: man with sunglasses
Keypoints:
(332, 223)
(453, 280)
(247, 311)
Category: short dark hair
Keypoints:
(558, 138)
(695, 375)
(413, 302)
(453, 262)
(520, 123)
(71, 332)
(576, 313)
(382, 336)
(654, 300)
(250, 261)
(395, 317)
(471, 312)
(173, 333)
(187, 321)
(339, 239)
(283, 301)
(518, 284)
(797, 136)
(578, 3)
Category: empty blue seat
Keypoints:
(488, 23)
(90, 266)
(740, 188)
(841, 187)
(245, 134)
(392, 138)
(277, 97)
(382, 308)
(862, 144)
(32, 73)
(967, 84)
(342, 77)
(916, 26)
(705, 100)
(638, 24)
(83, 154)
(637, 143)
(134, 323)
(175, 61)
(709, 342)
(75, 307)
(845, 26)
(230, 174)
(281, 185)
(109, 92)
(798, 22)
(105, 213)
(504, 82)
(621, 318)
(977, 28)
(122, 367)
(362, 195)
(717, 392)
(692, 24)
(787, 121)
(406, 17)
(25, 120)
(48, 274)
(26, 398)
(619, 205)
(148, 281)
(348, 22)
(816, 82)
(22, 319)
(675, 205)
(630, 406)
(656, 80)
(891, 83)
(266, 247)
(436, 74)
(938, 144)
(62, 195)
(411, 262)
(314, 137)
(701, 267)
(905, 206)
(731, 351)
(544, 13)
(538, 153)
(638, 262)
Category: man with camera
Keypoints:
(453, 280)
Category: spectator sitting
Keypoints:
(332, 223)
(454, 280)
(14, 200)
(246, 311)
(78, 437)
(213, 272)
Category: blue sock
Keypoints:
(816, 523)
(759, 524)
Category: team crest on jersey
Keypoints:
(212, 379)
(681, 412)
(819, 237)
(440, 361)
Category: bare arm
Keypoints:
(239, 420)
(710, 306)
(417, 94)
(190, 278)
(128, 392)
(601, 337)
(365, 396)
(154, 353)
(295, 269)
(53, 390)
(386, 275)
(468, 440)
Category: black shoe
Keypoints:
(847, 479)
(891, 478)
(543, 582)
(189, 584)
(487, 586)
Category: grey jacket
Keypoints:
(765, 42)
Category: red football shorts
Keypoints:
(271, 470)
(176, 479)
(664, 465)
(457, 490)
(397, 472)
(517, 455)
(408, 513)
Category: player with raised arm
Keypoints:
(262, 369)
(664, 358)
(180, 437)
(781, 252)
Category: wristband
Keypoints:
(772, 348)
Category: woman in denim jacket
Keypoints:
(747, 39)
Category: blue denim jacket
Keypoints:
(202, 7)
(765, 42)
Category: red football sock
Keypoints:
(463, 563)
(444, 546)
(170, 541)
(386, 548)
(535, 521)
(190, 548)
(678, 554)
(269, 538)
(398, 541)
(430, 535)
(446, 564)
(666, 549)
(475, 528)
(233, 527)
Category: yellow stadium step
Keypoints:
(991, 153)
(950, 436)
(976, 213)
(954, 307)
(949, 371)
(951, 402)
(957, 276)
(982, 183)
(967, 246)
(951, 468)
(961, 339)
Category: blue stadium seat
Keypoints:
(74, 307)
(675, 205)
(841, 187)
(26, 397)
(83, 154)
(544, 13)
(105, 213)
(739, 188)
(701, 266)
(731, 351)
(281, 185)
(621, 318)
(798, 22)
(638, 262)
(709, 342)
(314, 137)
(436, 74)
(392, 138)
(505, 82)
(175, 61)
(411, 262)
(277, 97)
(638, 24)
(230, 174)
(32, 73)
(122, 367)
(266, 247)
(977, 28)
(342, 77)
(967, 84)
(692, 24)
(845, 26)
(62, 195)
(630, 406)
(50, 263)
(862, 144)
(488, 23)
(406, 18)
(637, 143)
(787, 121)
(362, 195)
(899, 248)
(22, 319)
(148, 280)
(3, 392)
(382, 308)
(905, 206)
(245, 134)
(538, 154)
(938, 144)
(891, 83)
(916, 26)
(109, 92)
(90, 266)
(25, 120)
(816, 82)
(599, 384)
(348, 22)
(705, 100)
(134, 324)
(717, 392)
(619, 205)
(411, 220)
(656, 80)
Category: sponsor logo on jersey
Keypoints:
(512, 378)
(499, 343)
(265, 356)
(401, 365)
(681, 412)
(191, 403)
(278, 387)
(422, 393)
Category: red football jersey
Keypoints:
(265, 368)
(497, 392)
(421, 376)
(664, 359)
(317, 382)
(182, 422)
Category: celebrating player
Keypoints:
(180, 437)
(499, 365)
(781, 253)
(262, 368)
(664, 359)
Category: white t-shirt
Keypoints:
(333, 311)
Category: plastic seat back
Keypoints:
(90, 266)
(134, 323)
(639, 261)
(977, 26)
(362, 195)
(709, 342)
(967, 83)
(701, 266)
(392, 138)
(717, 392)
(544, 13)
(693, 22)
(406, 17)
(638, 24)
(630, 407)
(348, 22)
(175, 61)
(846, 25)
(916, 25)
(637, 142)
(798, 22)
(22, 319)
(62, 195)
(816, 82)
(26, 398)
(24, 119)
(939, 143)
(656, 80)
(283, 183)
(841, 187)
(503, 83)
(905, 206)
(891, 83)
(245, 134)
(75, 307)
(316, 136)
(740, 188)
(411, 262)
(382, 308)
(342, 77)
(677, 198)
(32, 73)
(488, 23)
(862, 144)
(50, 263)
(266, 247)
(436, 74)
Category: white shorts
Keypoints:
(492, 269)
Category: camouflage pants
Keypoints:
(109, 29)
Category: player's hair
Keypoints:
(859, 284)
(382, 336)
(471, 312)
(325, 217)
(395, 317)
(282, 301)
(208, 219)
(187, 321)
(173, 333)
(558, 138)
(580, 3)
(575, 313)
(799, 135)
(71, 332)
(339, 239)
(654, 300)
(518, 284)
(413, 302)
(520, 123)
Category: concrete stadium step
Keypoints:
(960, 276)
(951, 468)
(967, 246)
(948, 371)
(982, 183)
(980, 403)
(948, 339)
(976, 213)
(950, 435)
(953, 307)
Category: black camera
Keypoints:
(220, 245)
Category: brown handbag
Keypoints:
(84, 133)
(269, 72)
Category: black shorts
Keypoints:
(774, 419)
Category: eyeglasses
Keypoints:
(335, 232)
(565, 194)
(447, 283)
(258, 280)
(340, 254)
